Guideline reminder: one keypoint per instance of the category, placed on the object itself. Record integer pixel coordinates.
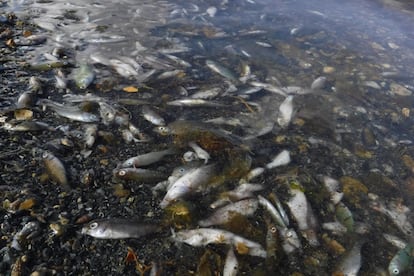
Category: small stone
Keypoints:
(328, 69)
(400, 90)
(406, 112)
(392, 45)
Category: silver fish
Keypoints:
(90, 135)
(231, 265)
(401, 261)
(205, 236)
(118, 229)
(244, 190)
(26, 99)
(151, 116)
(206, 94)
(351, 261)
(188, 183)
(200, 152)
(245, 207)
(83, 76)
(302, 211)
(29, 230)
(283, 158)
(138, 174)
(28, 126)
(221, 70)
(170, 74)
(285, 112)
(55, 168)
(147, 158)
(194, 102)
(318, 83)
(71, 112)
(123, 69)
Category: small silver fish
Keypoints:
(221, 70)
(188, 183)
(283, 158)
(301, 210)
(401, 261)
(147, 158)
(200, 152)
(151, 116)
(29, 230)
(55, 168)
(83, 76)
(138, 174)
(318, 83)
(231, 265)
(351, 261)
(206, 94)
(205, 236)
(28, 126)
(118, 229)
(245, 207)
(122, 68)
(285, 112)
(194, 102)
(71, 112)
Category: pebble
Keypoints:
(398, 89)
(328, 69)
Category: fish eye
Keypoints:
(93, 225)
(122, 173)
(396, 271)
(273, 229)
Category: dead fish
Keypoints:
(35, 84)
(118, 228)
(285, 112)
(318, 83)
(170, 74)
(26, 99)
(123, 69)
(205, 236)
(301, 210)
(83, 76)
(207, 94)
(231, 265)
(28, 126)
(55, 169)
(147, 158)
(71, 112)
(151, 116)
(90, 135)
(246, 207)
(61, 81)
(282, 159)
(188, 183)
(199, 151)
(138, 174)
(195, 102)
(28, 231)
(221, 70)
(178, 60)
(244, 190)
(351, 261)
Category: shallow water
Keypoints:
(357, 126)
